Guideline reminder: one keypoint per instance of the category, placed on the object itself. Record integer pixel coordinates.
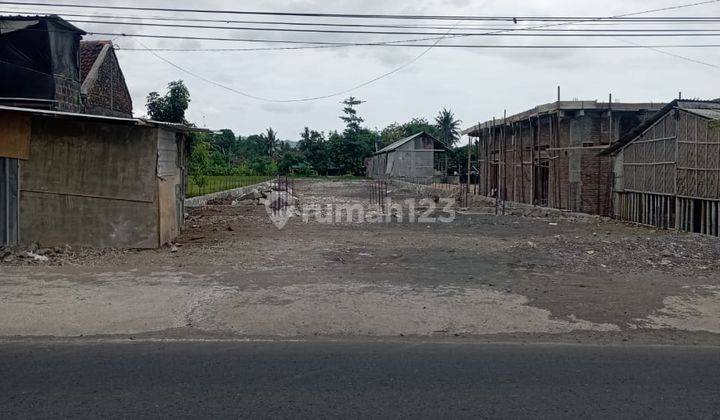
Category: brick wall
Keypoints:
(67, 95)
(568, 173)
(109, 94)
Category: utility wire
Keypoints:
(619, 21)
(657, 49)
(327, 15)
(397, 69)
(309, 99)
(575, 32)
(387, 74)
(464, 46)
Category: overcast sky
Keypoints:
(475, 84)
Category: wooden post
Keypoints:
(532, 163)
(514, 163)
(497, 170)
(522, 165)
(504, 135)
(469, 164)
(477, 178)
(487, 160)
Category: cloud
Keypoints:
(475, 83)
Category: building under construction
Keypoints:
(550, 155)
(667, 170)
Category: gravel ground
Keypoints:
(557, 278)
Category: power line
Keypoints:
(657, 49)
(599, 21)
(308, 99)
(387, 74)
(331, 15)
(269, 41)
(399, 43)
(464, 46)
(620, 21)
(576, 32)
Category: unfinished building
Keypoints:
(550, 155)
(414, 158)
(667, 170)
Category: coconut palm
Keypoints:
(271, 141)
(449, 127)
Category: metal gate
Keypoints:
(9, 201)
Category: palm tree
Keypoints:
(271, 141)
(449, 127)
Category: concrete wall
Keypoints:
(170, 199)
(90, 184)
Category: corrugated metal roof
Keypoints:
(713, 114)
(399, 143)
(132, 121)
(54, 18)
(694, 106)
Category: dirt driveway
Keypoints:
(500, 278)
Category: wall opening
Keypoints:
(542, 187)
(9, 201)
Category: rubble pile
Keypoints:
(35, 254)
(32, 254)
(682, 254)
(279, 195)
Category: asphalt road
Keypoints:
(356, 380)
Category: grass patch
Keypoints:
(215, 184)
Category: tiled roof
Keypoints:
(89, 52)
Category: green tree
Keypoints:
(270, 141)
(226, 144)
(449, 127)
(170, 107)
(350, 115)
(349, 150)
(199, 162)
(395, 131)
(314, 149)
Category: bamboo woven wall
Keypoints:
(698, 169)
(649, 161)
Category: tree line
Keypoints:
(313, 152)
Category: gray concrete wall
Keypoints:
(170, 196)
(90, 184)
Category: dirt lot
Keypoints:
(507, 278)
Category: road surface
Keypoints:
(354, 379)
